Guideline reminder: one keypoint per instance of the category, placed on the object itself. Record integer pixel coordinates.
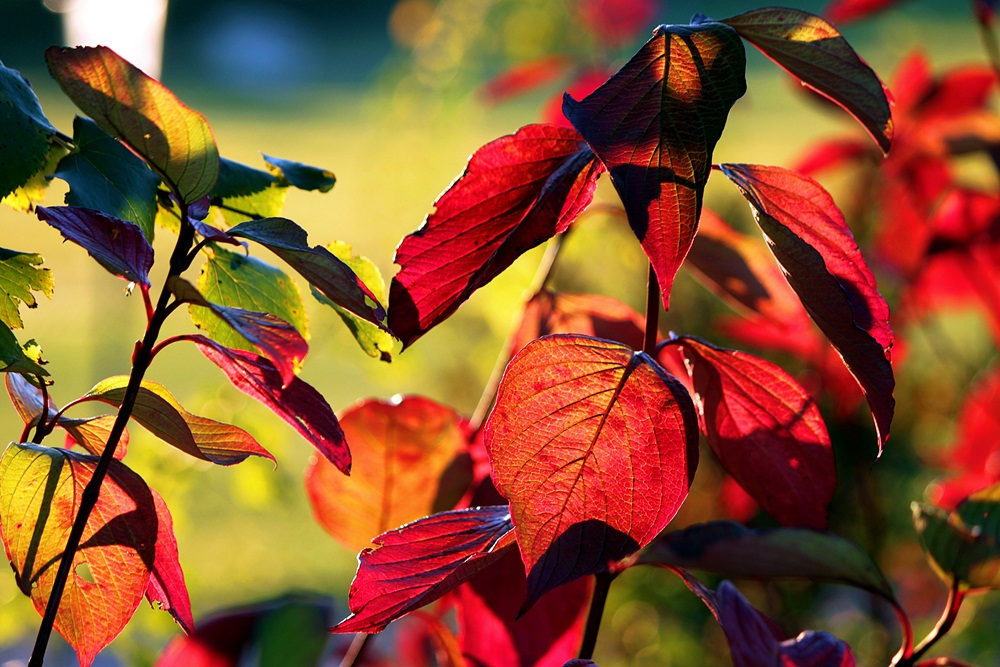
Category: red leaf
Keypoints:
(814, 52)
(167, 589)
(584, 84)
(91, 433)
(418, 563)
(301, 406)
(831, 154)
(654, 125)
(40, 491)
(324, 270)
(595, 446)
(766, 431)
(117, 245)
(846, 11)
(615, 22)
(818, 254)
(515, 193)
(278, 340)
(523, 77)
(589, 314)
(406, 451)
(492, 635)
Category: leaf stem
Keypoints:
(88, 499)
(41, 430)
(538, 283)
(955, 598)
(601, 588)
(652, 313)
(356, 650)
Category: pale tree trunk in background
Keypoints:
(132, 28)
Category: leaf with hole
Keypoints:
(516, 192)
(302, 407)
(595, 446)
(812, 243)
(403, 453)
(654, 125)
(40, 491)
(418, 563)
(20, 276)
(173, 139)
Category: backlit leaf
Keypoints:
(416, 564)
(243, 193)
(24, 144)
(324, 271)
(276, 339)
(160, 413)
(964, 545)
(766, 431)
(117, 245)
(516, 192)
(814, 52)
(105, 176)
(299, 175)
(17, 358)
(654, 125)
(818, 255)
(167, 590)
(234, 280)
(301, 406)
(400, 451)
(374, 340)
(91, 433)
(25, 197)
(732, 550)
(588, 314)
(20, 275)
(173, 139)
(40, 491)
(595, 447)
(491, 633)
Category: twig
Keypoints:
(356, 650)
(601, 588)
(948, 616)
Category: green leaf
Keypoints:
(237, 281)
(299, 175)
(19, 277)
(729, 549)
(32, 192)
(373, 340)
(104, 175)
(159, 413)
(17, 359)
(242, 193)
(24, 142)
(963, 546)
(173, 139)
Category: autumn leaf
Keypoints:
(654, 125)
(167, 590)
(523, 77)
(401, 451)
(515, 193)
(846, 11)
(173, 139)
(117, 245)
(766, 431)
(808, 236)
(416, 564)
(297, 403)
(615, 22)
(160, 413)
(595, 447)
(814, 52)
(588, 314)
(40, 490)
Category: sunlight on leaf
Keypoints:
(595, 446)
(167, 590)
(20, 275)
(173, 139)
(40, 491)
(25, 147)
(243, 193)
(588, 314)
(654, 125)
(17, 358)
(963, 545)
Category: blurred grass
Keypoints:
(246, 533)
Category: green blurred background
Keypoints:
(385, 94)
